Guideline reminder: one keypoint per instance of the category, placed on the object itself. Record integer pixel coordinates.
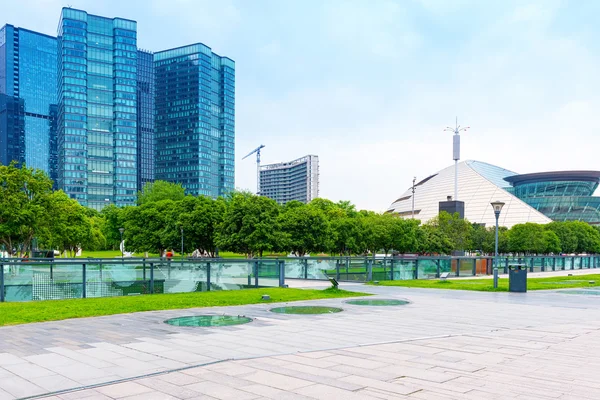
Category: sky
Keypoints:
(369, 86)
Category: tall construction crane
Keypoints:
(257, 151)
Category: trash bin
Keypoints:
(517, 278)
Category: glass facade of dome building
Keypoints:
(538, 197)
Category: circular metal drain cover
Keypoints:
(306, 310)
(208, 320)
(378, 302)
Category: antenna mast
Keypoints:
(456, 151)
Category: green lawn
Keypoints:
(487, 285)
(54, 310)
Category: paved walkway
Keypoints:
(445, 345)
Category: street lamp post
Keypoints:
(413, 197)
(122, 245)
(497, 206)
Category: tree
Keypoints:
(489, 244)
(250, 225)
(113, 220)
(405, 235)
(527, 238)
(306, 229)
(69, 227)
(456, 229)
(24, 196)
(346, 235)
(200, 218)
(552, 242)
(150, 227)
(566, 235)
(160, 190)
(588, 239)
(433, 241)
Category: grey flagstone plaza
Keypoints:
(444, 345)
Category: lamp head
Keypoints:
(497, 206)
(121, 230)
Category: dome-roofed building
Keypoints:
(539, 197)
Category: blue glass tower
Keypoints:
(28, 76)
(145, 118)
(195, 119)
(97, 109)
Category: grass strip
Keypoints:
(487, 285)
(55, 310)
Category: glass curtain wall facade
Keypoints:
(28, 76)
(195, 119)
(97, 109)
(145, 118)
(562, 196)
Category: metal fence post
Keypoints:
(392, 269)
(573, 262)
(1, 283)
(457, 266)
(506, 265)
(553, 263)
(281, 273)
(543, 264)
(437, 265)
(305, 261)
(416, 272)
(369, 270)
(208, 276)
(564, 262)
(51, 271)
(151, 278)
(337, 270)
(144, 270)
(531, 264)
(255, 273)
(84, 281)
(474, 266)
(169, 268)
(347, 266)
(250, 268)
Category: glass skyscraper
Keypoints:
(28, 76)
(97, 109)
(194, 124)
(145, 118)
(103, 118)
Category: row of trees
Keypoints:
(30, 211)
(252, 225)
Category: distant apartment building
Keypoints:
(28, 77)
(292, 180)
(195, 119)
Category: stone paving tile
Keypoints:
(469, 337)
(124, 389)
(220, 392)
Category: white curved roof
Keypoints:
(478, 185)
